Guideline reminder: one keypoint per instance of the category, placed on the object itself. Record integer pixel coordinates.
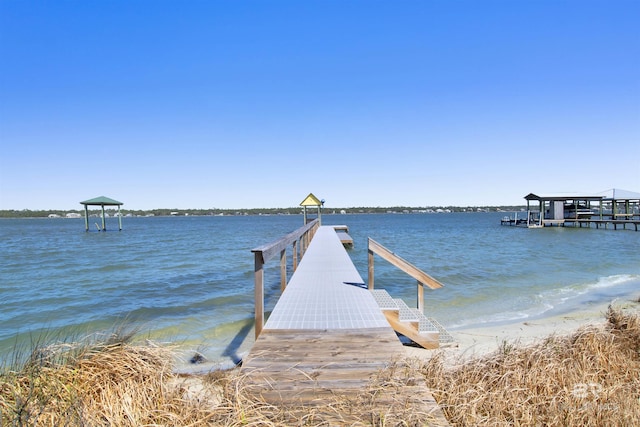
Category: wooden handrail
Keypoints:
(410, 269)
(264, 253)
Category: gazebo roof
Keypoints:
(101, 201)
(311, 200)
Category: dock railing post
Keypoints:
(420, 297)
(370, 278)
(259, 292)
(305, 243)
(283, 269)
(295, 255)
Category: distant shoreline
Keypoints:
(161, 212)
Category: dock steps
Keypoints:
(384, 300)
(446, 339)
(423, 325)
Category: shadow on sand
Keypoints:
(231, 350)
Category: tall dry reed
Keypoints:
(588, 378)
(120, 384)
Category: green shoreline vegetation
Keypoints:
(27, 213)
(587, 378)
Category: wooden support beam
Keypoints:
(410, 330)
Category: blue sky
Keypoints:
(232, 104)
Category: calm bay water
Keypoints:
(189, 280)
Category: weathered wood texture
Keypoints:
(303, 364)
(332, 370)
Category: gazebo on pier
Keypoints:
(101, 201)
(312, 201)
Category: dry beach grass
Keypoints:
(590, 377)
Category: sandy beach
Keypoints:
(480, 341)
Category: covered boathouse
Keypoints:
(615, 207)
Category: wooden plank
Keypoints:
(316, 371)
(329, 341)
(343, 360)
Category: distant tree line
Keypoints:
(26, 213)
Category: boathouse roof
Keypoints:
(101, 201)
(563, 196)
(619, 194)
(612, 194)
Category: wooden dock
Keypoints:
(343, 234)
(327, 348)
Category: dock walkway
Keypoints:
(328, 339)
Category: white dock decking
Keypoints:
(327, 338)
(326, 291)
